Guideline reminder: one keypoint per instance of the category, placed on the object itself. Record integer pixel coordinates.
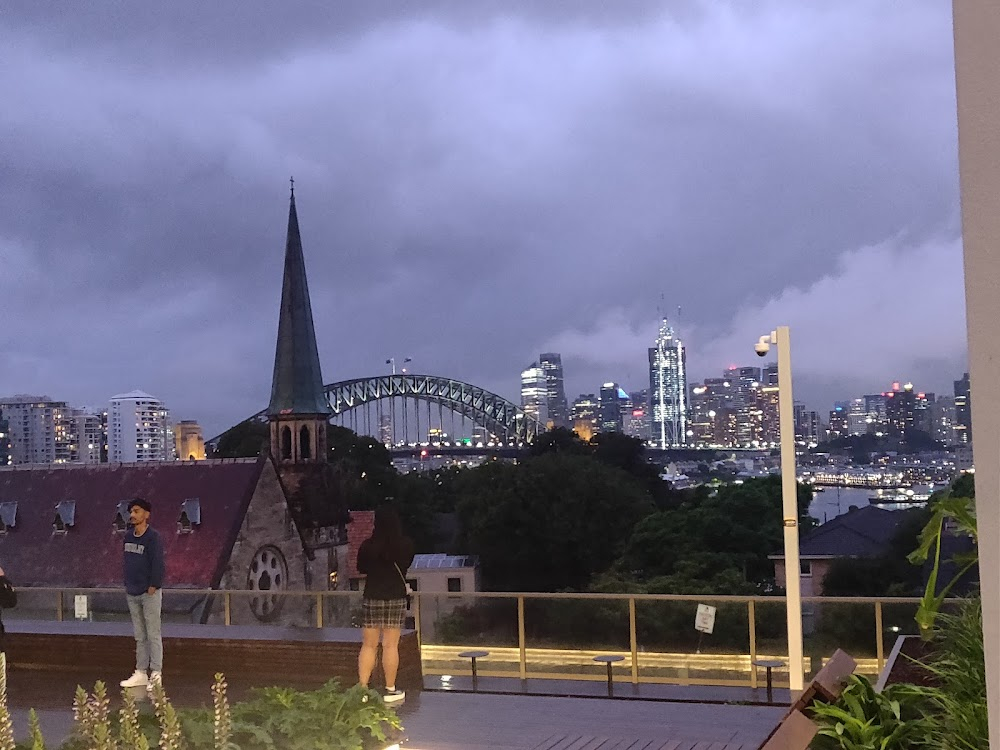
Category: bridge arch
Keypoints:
(501, 417)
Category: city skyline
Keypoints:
(559, 170)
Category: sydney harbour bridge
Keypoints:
(407, 411)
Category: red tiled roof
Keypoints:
(360, 528)
(90, 553)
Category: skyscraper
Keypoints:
(923, 412)
(31, 427)
(875, 408)
(79, 436)
(585, 416)
(91, 432)
(857, 417)
(385, 429)
(943, 420)
(558, 409)
(4, 443)
(770, 425)
(535, 394)
(638, 418)
(139, 429)
(900, 406)
(839, 419)
(668, 388)
(712, 413)
(963, 410)
(770, 374)
(611, 408)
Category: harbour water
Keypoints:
(835, 501)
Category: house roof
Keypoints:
(866, 532)
(89, 553)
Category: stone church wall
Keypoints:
(267, 559)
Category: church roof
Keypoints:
(297, 386)
(87, 552)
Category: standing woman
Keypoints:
(384, 559)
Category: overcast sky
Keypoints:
(477, 182)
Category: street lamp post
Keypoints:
(392, 361)
(392, 402)
(789, 502)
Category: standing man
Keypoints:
(144, 566)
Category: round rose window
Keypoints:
(268, 577)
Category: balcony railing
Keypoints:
(546, 635)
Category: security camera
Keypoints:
(763, 345)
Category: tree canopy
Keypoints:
(729, 533)
(548, 523)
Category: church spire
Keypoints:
(297, 396)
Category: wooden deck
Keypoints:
(462, 721)
(443, 721)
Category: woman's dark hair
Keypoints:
(388, 536)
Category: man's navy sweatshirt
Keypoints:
(144, 562)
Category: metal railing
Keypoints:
(546, 635)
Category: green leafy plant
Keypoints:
(279, 717)
(956, 716)
(863, 719)
(222, 718)
(272, 719)
(959, 512)
(35, 730)
(128, 724)
(170, 725)
(92, 720)
(325, 718)
(6, 724)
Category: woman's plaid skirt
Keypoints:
(383, 613)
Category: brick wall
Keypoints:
(292, 659)
(360, 528)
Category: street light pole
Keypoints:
(392, 361)
(790, 509)
(789, 501)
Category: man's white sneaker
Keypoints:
(138, 679)
(394, 696)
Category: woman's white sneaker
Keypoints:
(394, 696)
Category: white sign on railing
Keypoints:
(80, 606)
(704, 620)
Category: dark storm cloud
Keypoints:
(477, 182)
(251, 31)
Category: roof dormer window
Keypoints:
(190, 515)
(65, 516)
(121, 521)
(8, 517)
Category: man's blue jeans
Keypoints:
(145, 610)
